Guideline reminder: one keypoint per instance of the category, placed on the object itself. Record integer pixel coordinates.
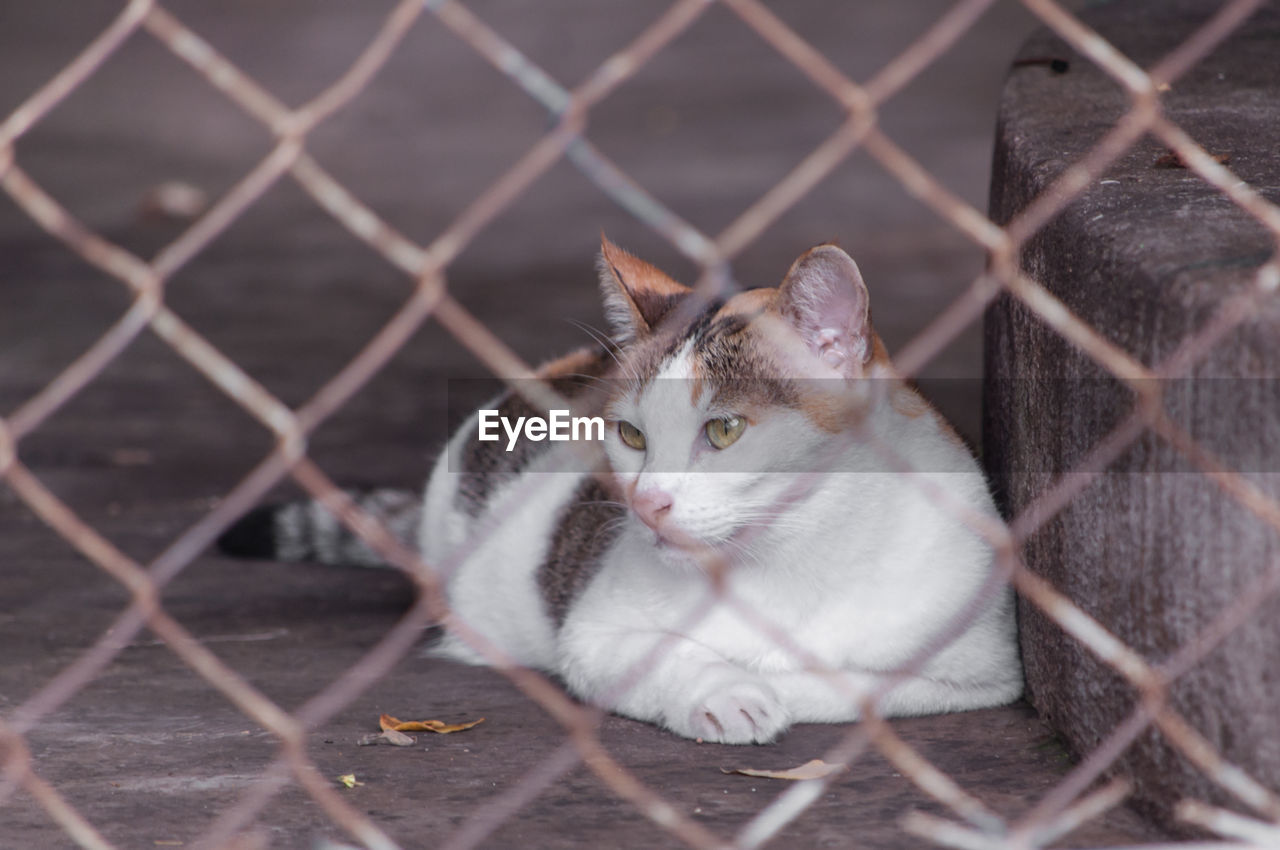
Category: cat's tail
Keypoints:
(306, 531)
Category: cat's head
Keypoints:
(715, 397)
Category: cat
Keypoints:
(734, 467)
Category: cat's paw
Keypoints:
(742, 712)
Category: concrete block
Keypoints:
(1150, 548)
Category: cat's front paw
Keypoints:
(743, 712)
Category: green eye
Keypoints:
(631, 435)
(725, 432)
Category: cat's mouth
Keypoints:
(672, 540)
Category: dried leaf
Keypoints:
(1172, 159)
(435, 726)
(349, 780)
(815, 769)
(389, 723)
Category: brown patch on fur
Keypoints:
(748, 304)
(908, 402)
(634, 273)
(731, 357)
(585, 529)
(644, 357)
(879, 353)
(834, 411)
(830, 412)
(645, 290)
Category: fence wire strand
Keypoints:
(1068, 805)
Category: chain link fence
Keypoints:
(972, 824)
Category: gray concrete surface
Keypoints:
(148, 752)
(1151, 549)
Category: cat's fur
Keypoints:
(648, 596)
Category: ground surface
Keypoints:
(149, 753)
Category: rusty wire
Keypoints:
(1067, 805)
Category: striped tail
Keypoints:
(305, 531)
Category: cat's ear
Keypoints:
(636, 295)
(824, 298)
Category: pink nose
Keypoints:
(652, 506)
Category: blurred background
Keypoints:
(148, 750)
(707, 127)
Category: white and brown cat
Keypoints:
(734, 460)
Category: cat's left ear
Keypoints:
(825, 300)
(637, 296)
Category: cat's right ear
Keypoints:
(825, 300)
(636, 295)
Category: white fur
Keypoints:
(490, 562)
(854, 565)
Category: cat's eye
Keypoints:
(631, 435)
(724, 432)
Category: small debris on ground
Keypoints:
(387, 736)
(349, 780)
(1173, 159)
(1056, 64)
(174, 200)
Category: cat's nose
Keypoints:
(652, 506)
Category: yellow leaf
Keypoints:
(815, 769)
(389, 723)
(349, 780)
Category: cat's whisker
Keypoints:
(602, 387)
(744, 551)
(606, 342)
(776, 521)
(606, 529)
(599, 336)
(604, 503)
